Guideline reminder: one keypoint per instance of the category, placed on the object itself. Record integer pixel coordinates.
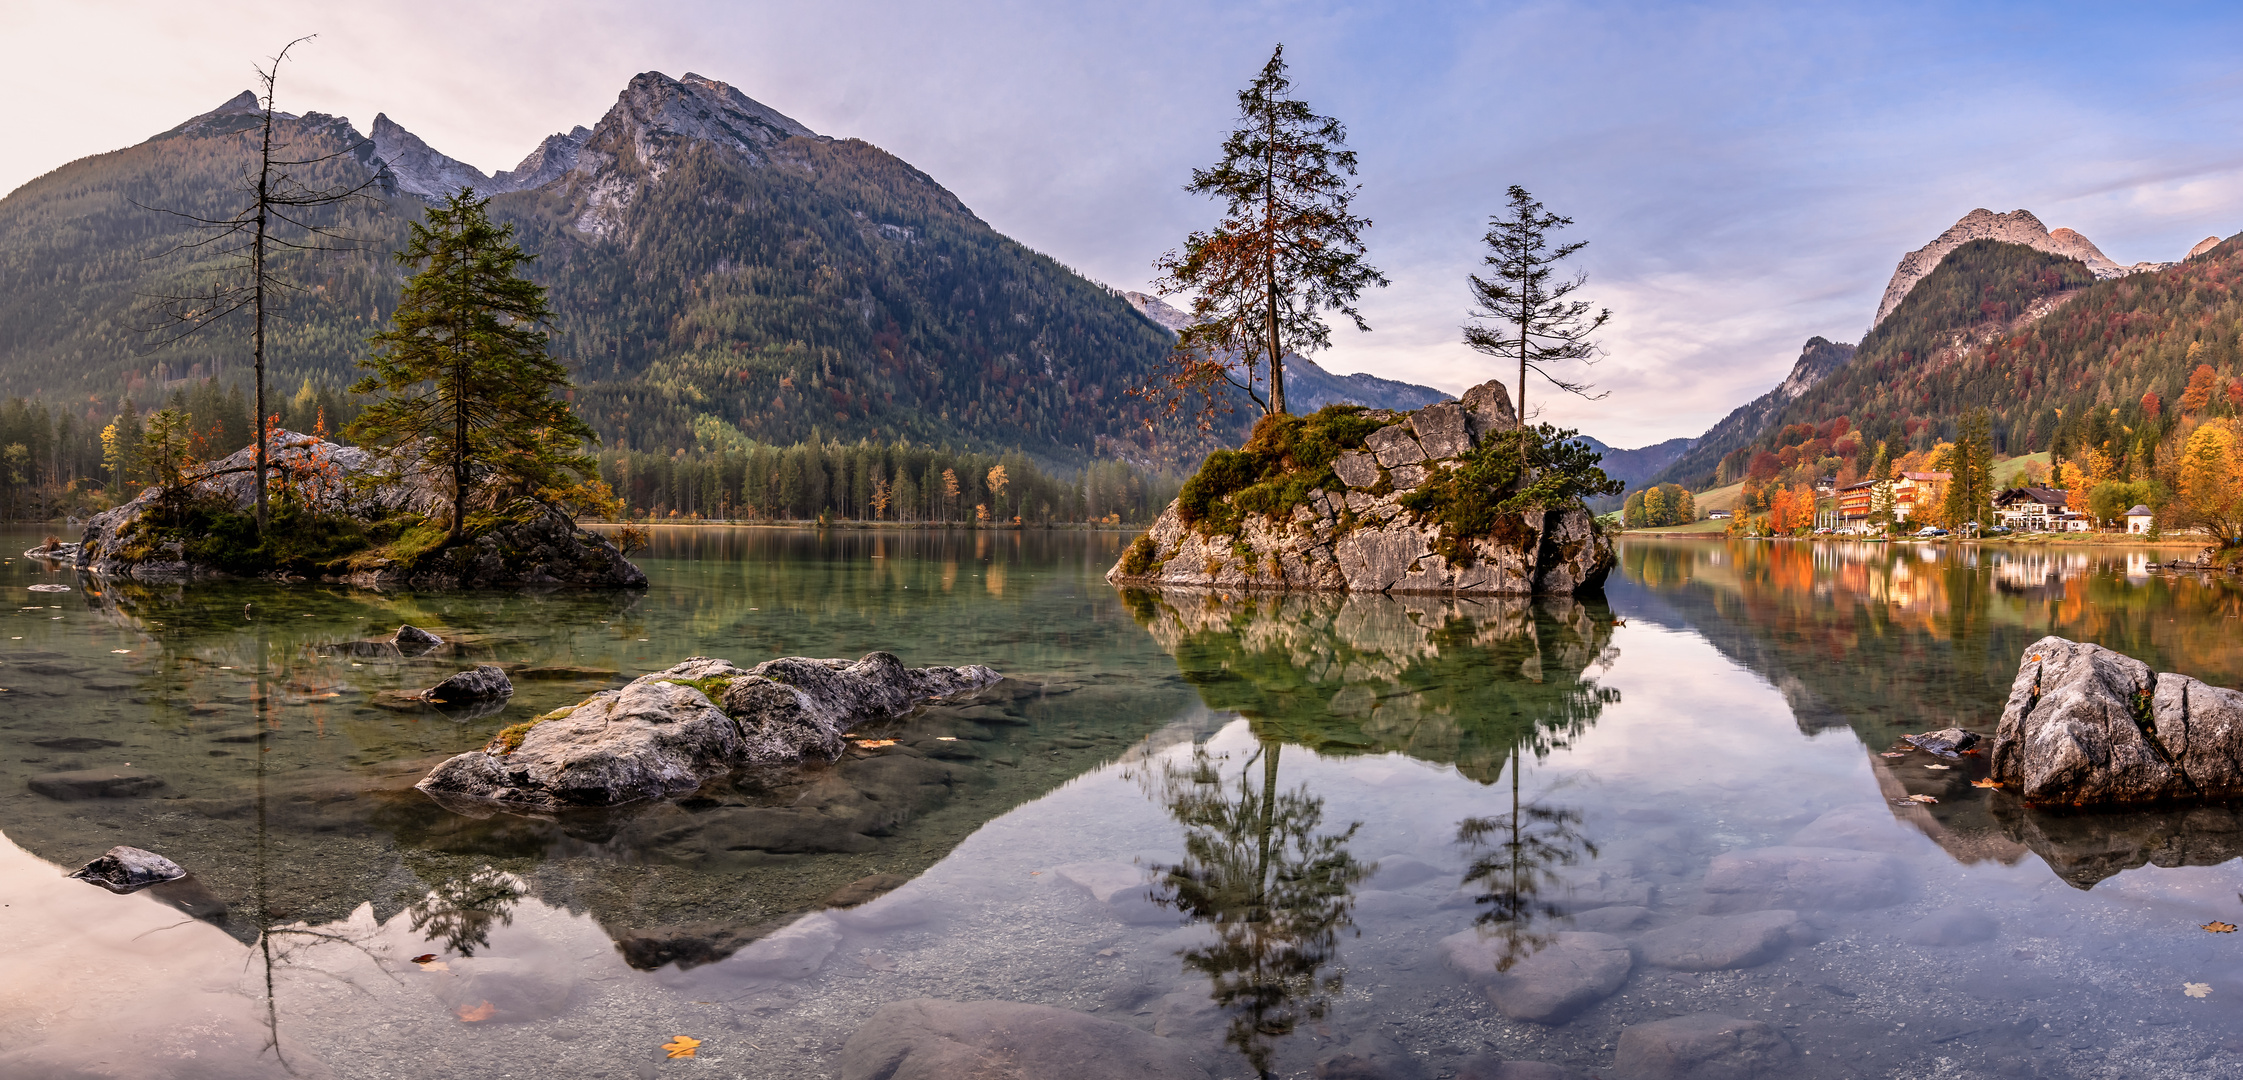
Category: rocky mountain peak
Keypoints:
(2015, 227)
(419, 168)
(1165, 315)
(2202, 246)
(549, 162)
(653, 120)
(244, 102)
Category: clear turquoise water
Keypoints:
(1318, 789)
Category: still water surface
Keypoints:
(1247, 824)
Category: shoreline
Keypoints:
(871, 526)
(2047, 539)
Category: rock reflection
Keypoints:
(2086, 847)
(1273, 888)
(1456, 681)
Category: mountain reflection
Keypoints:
(1274, 888)
(1890, 639)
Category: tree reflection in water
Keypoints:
(1275, 889)
(460, 911)
(1474, 683)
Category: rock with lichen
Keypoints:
(1371, 500)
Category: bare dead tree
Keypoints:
(275, 215)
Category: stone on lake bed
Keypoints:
(1495, 1068)
(409, 634)
(124, 869)
(1800, 878)
(865, 889)
(96, 784)
(74, 742)
(1946, 742)
(1723, 942)
(485, 682)
(1568, 972)
(931, 1039)
(1703, 1046)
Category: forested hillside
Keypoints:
(707, 297)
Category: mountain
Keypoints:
(719, 273)
(1747, 422)
(1308, 387)
(1632, 467)
(2015, 227)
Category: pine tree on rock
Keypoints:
(470, 385)
(1525, 311)
(1288, 247)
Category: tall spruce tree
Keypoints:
(1288, 247)
(1970, 487)
(1524, 310)
(470, 384)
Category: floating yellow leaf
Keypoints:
(2197, 990)
(479, 1013)
(2219, 927)
(1986, 782)
(681, 1046)
(1922, 799)
(874, 744)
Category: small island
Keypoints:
(1457, 497)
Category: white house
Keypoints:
(2138, 519)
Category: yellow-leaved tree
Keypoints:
(2209, 495)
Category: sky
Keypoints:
(1746, 175)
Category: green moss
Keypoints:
(1284, 459)
(712, 687)
(509, 739)
(1137, 561)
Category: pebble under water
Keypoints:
(1665, 833)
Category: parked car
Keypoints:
(1931, 530)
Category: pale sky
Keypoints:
(1746, 174)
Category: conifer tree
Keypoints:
(1524, 310)
(1289, 246)
(470, 384)
(1970, 460)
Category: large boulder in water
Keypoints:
(2085, 726)
(1354, 530)
(667, 733)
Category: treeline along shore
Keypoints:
(62, 460)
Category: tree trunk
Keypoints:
(1269, 236)
(257, 283)
(459, 449)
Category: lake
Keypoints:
(1330, 836)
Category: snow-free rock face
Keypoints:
(2087, 726)
(1360, 538)
(2015, 227)
(656, 119)
(328, 477)
(667, 733)
(419, 168)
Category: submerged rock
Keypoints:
(665, 734)
(2085, 726)
(1704, 1046)
(930, 1039)
(124, 869)
(1946, 742)
(1723, 942)
(1800, 878)
(1563, 973)
(1356, 536)
(95, 784)
(410, 636)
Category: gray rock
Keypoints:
(1953, 926)
(410, 635)
(1356, 469)
(1704, 1046)
(929, 1039)
(1394, 445)
(1495, 1068)
(1609, 920)
(1487, 408)
(129, 869)
(484, 682)
(96, 784)
(1443, 430)
(1408, 477)
(661, 735)
(1720, 943)
(2088, 726)
(1570, 972)
(1946, 742)
(1800, 878)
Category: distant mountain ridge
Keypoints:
(2015, 227)
(1308, 387)
(1817, 360)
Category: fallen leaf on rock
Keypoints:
(1896, 753)
(874, 744)
(479, 1013)
(1987, 782)
(2197, 990)
(2219, 927)
(1942, 768)
(1922, 799)
(681, 1046)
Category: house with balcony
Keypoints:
(1855, 503)
(2031, 509)
(1918, 492)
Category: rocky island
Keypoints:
(348, 515)
(1372, 500)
